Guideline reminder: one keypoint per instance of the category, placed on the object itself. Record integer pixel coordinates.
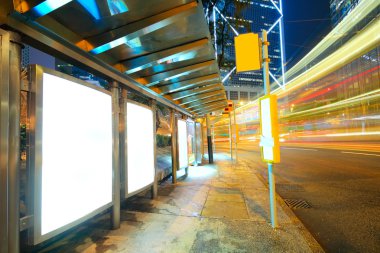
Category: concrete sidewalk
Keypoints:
(218, 208)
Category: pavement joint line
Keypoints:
(200, 217)
(356, 153)
(204, 204)
(167, 214)
(245, 202)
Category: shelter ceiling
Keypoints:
(161, 48)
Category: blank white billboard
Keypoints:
(73, 154)
(182, 144)
(140, 138)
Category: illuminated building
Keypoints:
(79, 73)
(333, 93)
(340, 8)
(30, 55)
(256, 16)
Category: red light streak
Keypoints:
(330, 88)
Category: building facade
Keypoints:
(254, 16)
(31, 55)
(340, 8)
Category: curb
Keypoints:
(312, 242)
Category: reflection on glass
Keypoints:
(117, 6)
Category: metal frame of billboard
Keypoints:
(36, 73)
(127, 195)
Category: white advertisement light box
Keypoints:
(73, 152)
(182, 144)
(140, 139)
(266, 128)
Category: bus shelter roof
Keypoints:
(160, 48)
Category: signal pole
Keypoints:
(271, 177)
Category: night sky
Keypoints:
(306, 22)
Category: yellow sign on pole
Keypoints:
(270, 144)
(248, 52)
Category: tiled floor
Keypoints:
(217, 208)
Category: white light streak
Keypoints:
(274, 78)
(271, 28)
(229, 73)
(353, 134)
(216, 47)
(275, 5)
(355, 153)
(233, 29)
(306, 149)
(282, 48)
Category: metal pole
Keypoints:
(195, 144)
(115, 158)
(14, 142)
(173, 124)
(266, 61)
(271, 176)
(4, 136)
(236, 132)
(155, 183)
(123, 145)
(213, 139)
(209, 141)
(272, 196)
(230, 133)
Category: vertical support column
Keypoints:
(4, 136)
(272, 196)
(209, 141)
(155, 183)
(14, 142)
(123, 144)
(175, 158)
(230, 133)
(266, 61)
(271, 177)
(202, 141)
(115, 157)
(236, 132)
(187, 135)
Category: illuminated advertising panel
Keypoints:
(270, 146)
(182, 144)
(72, 155)
(191, 141)
(198, 141)
(140, 138)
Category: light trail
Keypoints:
(308, 149)
(336, 85)
(356, 153)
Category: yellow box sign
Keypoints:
(270, 144)
(248, 52)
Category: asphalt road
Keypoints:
(340, 181)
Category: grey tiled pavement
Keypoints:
(218, 208)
